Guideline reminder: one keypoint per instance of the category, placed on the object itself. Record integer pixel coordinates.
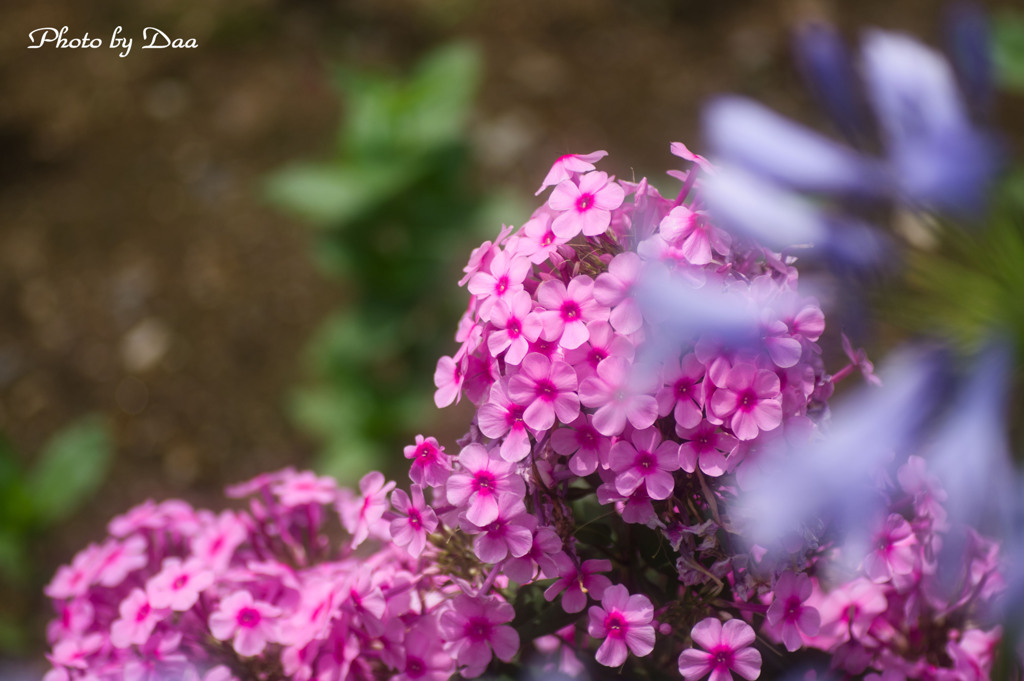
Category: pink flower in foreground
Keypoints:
(548, 389)
(749, 401)
(566, 166)
(624, 622)
(137, 620)
(473, 627)
(481, 483)
(430, 464)
(250, 623)
(788, 614)
(566, 311)
(177, 586)
(413, 520)
(585, 207)
(644, 460)
(726, 649)
(620, 392)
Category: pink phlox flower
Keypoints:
(137, 620)
(537, 240)
(603, 343)
(624, 621)
(539, 561)
(510, 534)
(859, 359)
(481, 372)
(726, 649)
(73, 653)
(750, 401)
(513, 327)
(974, 654)
(425, 658)
(74, 617)
(706, 446)
(783, 349)
(569, 166)
(803, 316)
(585, 207)
(501, 417)
(412, 520)
(849, 611)
(365, 600)
(925, 489)
(614, 289)
(683, 392)
(74, 580)
(566, 311)
(894, 550)
(160, 658)
(576, 582)
(248, 623)
(448, 378)
(481, 482)
(620, 392)
(474, 627)
(692, 237)
(679, 149)
(481, 256)
(635, 508)
(320, 601)
(178, 584)
(548, 390)
(306, 488)
(788, 614)
(216, 543)
(339, 655)
(430, 465)
(581, 440)
(644, 460)
(504, 278)
(260, 483)
(469, 333)
(362, 516)
(115, 559)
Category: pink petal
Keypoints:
(747, 663)
(707, 633)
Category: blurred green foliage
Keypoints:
(396, 214)
(67, 473)
(1008, 49)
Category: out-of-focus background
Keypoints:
(225, 260)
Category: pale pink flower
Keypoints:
(644, 460)
(177, 586)
(585, 207)
(306, 488)
(625, 624)
(548, 389)
(482, 480)
(448, 378)
(788, 614)
(500, 417)
(750, 401)
(687, 231)
(510, 534)
(706, 446)
(138, 618)
(216, 543)
(576, 582)
(726, 649)
(513, 327)
(250, 624)
(602, 344)
(474, 627)
(682, 395)
(568, 166)
(537, 241)
(566, 311)
(430, 465)
(505, 278)
(361, 516)
(581, 440)
(619, 392)
(115, 559)
(412, 520)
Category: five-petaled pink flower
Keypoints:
(585, 207)
(248, 622)
(644, 460)
(726, 649)
(547, 388)
(566, 311)
(177, 586)
(788, 614)
(625, 624)
(749, 400)
(483, 479)
(620, 391)
(412, 520)
(473, 627)
(430, 465)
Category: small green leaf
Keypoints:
(70, 469)
(1008, 52)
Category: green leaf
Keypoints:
(70, 469)
(1008, 49)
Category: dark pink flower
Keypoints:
(548, 389)
(749, 401)
(726, 649)
(566, 311)
(625, 624)
(137, 620)
(788, 614)
(474, 627)
(683, 393)
(577, 582)
(706, 446)
(412, 520)
(644, 460)
(482, 480)
(430, 465)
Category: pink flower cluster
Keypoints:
(262, 593)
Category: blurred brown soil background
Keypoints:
(141, 274)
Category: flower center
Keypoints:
(484, 482)
(645, 461)
(546, 390)
(180, 582)
(425, 453)
(722, 658)
(502, 285)
(570, 311)
(414, 667)
(478, 629)
(248, 617)
(616, 625)
(143, 612)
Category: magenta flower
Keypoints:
(585, 207)
(578, 581)
(513, 327)
(138, 618)
(430, 465)
(706, 446)
(683, 393)
(500, 417)
(548, 389)
(644, 460)
(177, 586)
(248, 622)
(483, 480)
(568, 166)
(566, 311)
(789, 615)
(412, 520)
(726, 649)
(625, 624)
(510, 534)
(749, 400)
(581, 440)
(620, 392)
(540, 558)
(474, 627)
